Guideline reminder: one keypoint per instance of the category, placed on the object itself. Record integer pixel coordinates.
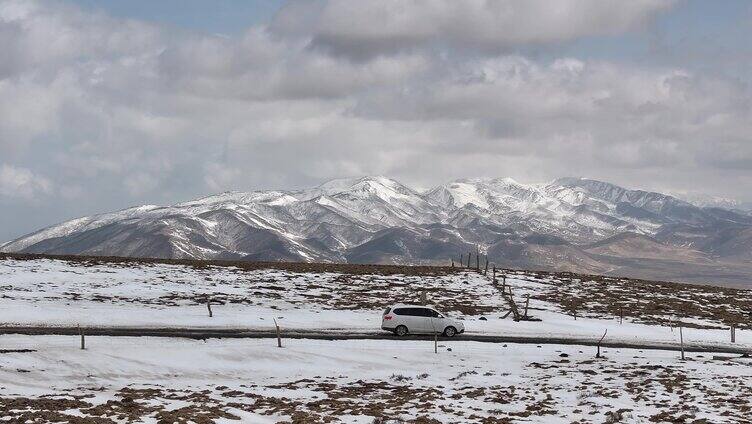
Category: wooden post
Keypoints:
(527, 303)
(494, 273)
(503, 283)
(435, 342)
(83, 341)
(681, 342)
(452, 263)
(513, 305)
(485, 272)
(279, 338)
(462, 258)
(733, 334)
(423, 298)
(477, 261)
(208, 306)
(621, 314)
(598, 354)
(469, 256)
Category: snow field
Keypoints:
(59, 293)
(351, 379)
(146, 379)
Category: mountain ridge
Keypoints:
(378, 219)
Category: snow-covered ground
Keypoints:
(146, 379)
(59, 293)
(150, 379)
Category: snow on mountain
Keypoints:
(338, 214)
(615, 195)
(380, 219)
(560, 207)
(378, 201)
(706, 201)
(76, 225)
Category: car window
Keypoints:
(387, 311)
(416, 312)
(423, 312)
(413, 312)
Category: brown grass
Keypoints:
(344, 268)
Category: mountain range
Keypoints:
(569, 224)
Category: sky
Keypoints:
(110, 104)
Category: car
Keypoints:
(416, 319)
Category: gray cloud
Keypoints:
(98, 113)
(369, 27)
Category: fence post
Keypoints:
(485, 272)
(83, 341)
(469, 256)
(621, 314)
(681, 341)
(279, 338)
(733, 334)
(435, 342)
(598, 354)
(208, 306)
(527, 303)
(513, 306)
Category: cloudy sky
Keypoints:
(110, 104)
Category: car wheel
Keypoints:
(401, 330)
(450, 331)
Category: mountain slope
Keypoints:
(568, 224)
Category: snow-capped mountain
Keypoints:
(315, 224)
(377, 219)
(706, 201)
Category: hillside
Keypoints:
(568, 224)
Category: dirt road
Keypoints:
(346, 334)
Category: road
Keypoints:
(344, 334)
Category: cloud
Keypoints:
(119, 112)
(39, 34)
(258, 66)
(21, 183)
(370, 27)
(615, 115)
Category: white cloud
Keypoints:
(120, 112)
(21, 183)
(218, 176)
(138, 184)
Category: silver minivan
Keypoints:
(415, 319)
